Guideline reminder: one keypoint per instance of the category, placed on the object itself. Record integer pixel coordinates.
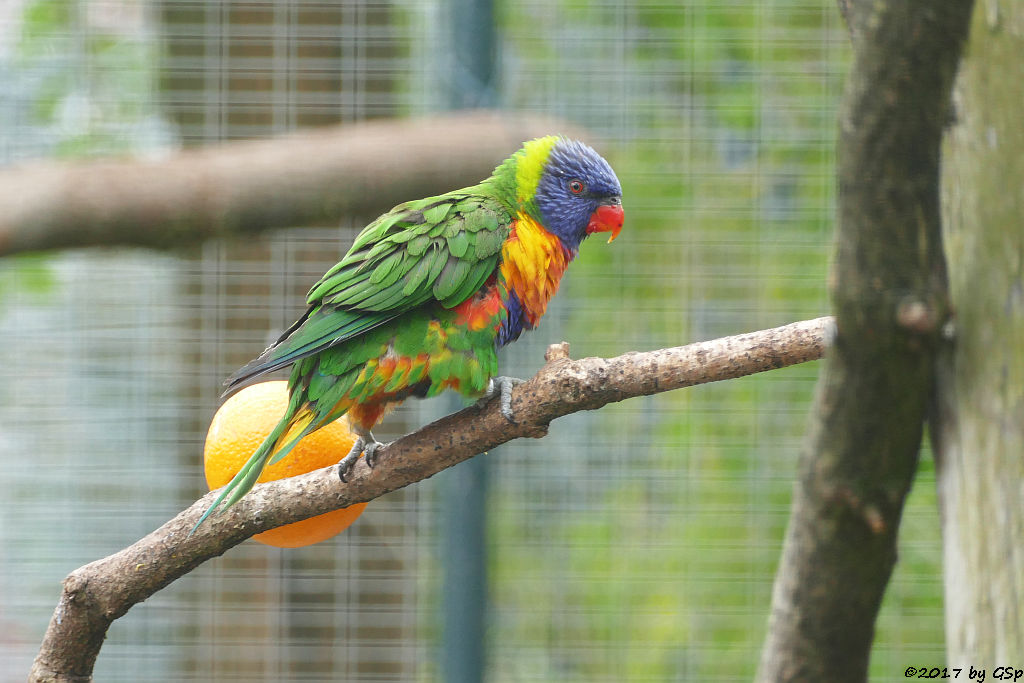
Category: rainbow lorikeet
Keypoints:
(429, 292)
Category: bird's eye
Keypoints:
(576, 186)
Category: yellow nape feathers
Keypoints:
(530, 163)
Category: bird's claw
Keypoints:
(370, 453)
(364, 445)
(501, 386)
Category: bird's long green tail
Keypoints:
(288, 432)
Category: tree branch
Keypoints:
(240, 188)
(890, 295)
(98, 593)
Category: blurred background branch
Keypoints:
(244, 187)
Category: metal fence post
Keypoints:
(469, 82)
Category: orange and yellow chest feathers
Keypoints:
(532, 263)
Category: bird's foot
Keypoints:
(365, 444)
(501, 386)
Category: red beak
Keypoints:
(607, 218)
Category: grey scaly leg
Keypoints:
(365, 443)
(501, 386)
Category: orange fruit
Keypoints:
(241, 425)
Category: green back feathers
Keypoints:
(440, 249)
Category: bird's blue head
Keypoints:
(576, 192)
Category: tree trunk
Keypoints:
(978, 428)
(889, 294)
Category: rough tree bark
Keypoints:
(978, 427)
(98, 593)
(241, 188)
(890, 297)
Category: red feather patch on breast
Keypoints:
(482, 310)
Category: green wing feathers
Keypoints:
(440, 249)
(320, 328)
(419, 251)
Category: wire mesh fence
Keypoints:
(634, 544)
